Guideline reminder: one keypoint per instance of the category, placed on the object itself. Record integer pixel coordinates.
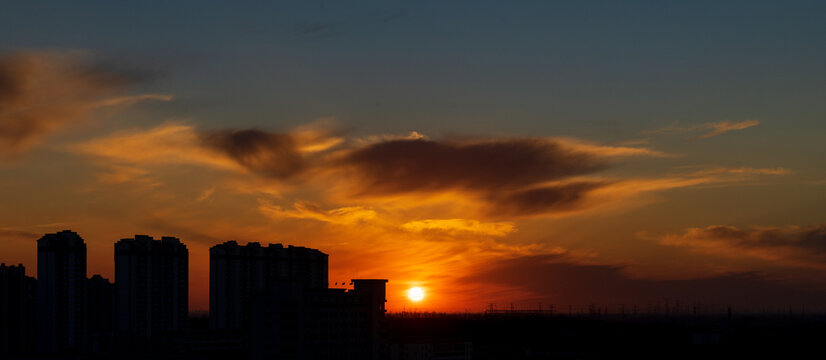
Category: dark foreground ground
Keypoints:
(531, 336)
(544, 336)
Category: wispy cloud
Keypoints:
(796, 246)
(712, 128)
(746, 171)
(263, 153)
(460, 226)
(306, 210)
(43, 92)
(726, 126)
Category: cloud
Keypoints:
(746, 171)
(270, 155)
(206, 194)
(117, 174)
(43, 92)
(559, 279)
(726, 126)
(353, 215)
(540, 200)
(491, 178)
(795, 246)
(169, 143)
(264, 153)
(454, 226)
(716, 128)
(404, 166)
(611, 151)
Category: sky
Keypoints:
(567, 153)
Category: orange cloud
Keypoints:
(353, 215)
(494, 178)
(453, 226)
(266, 154)
(726, 126)
(746, 171)
(611, 151)
(165, 144)
(41, 93)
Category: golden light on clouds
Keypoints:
(428, 213)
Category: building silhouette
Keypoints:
(61, 293)
(17, 292)
(151, 286)
(297, 322)
(238, 272)
(100, 300)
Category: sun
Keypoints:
(415, 294)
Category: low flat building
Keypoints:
(296, 322)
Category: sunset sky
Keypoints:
(570, 152)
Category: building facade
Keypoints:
(17, 299)
(151, 286)
(100, 300)
(61, 293)
(239, 272)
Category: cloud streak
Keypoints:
(352, 215)
(458, 226)
(42, 93)
(712, 128)
(795, 246)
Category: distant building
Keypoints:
(296, 322)
(16, 310)
(236, 273)
(151, 286)
(100, 305)
(61, 293)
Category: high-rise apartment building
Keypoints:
(151, 286)
(236, 273)
(61, 293)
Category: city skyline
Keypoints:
(264, 302)
(483, 152)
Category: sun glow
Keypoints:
(415, 294)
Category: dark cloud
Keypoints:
(800, 244)
(810, 238)
(507, 173)
(400, 166)
(268, 154)
(540, 200)
(556, 279)
(43, 92)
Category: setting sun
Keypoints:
(415, 294)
